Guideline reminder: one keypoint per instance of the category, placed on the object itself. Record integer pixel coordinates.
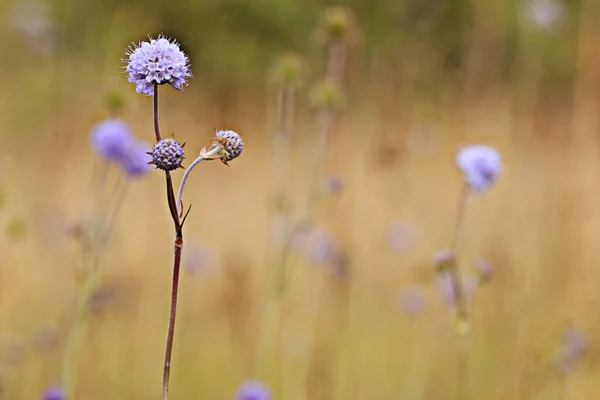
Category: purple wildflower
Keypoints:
(111, 139)
(402, 236)
(412, 301)
(253, 390)
(54, 393)
(158, 61)
(445, 286)
(481, 166)
(135, 158)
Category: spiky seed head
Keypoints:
(338, 24)
(287, 70)
(167, 154)
(327, 95)
(232, 145)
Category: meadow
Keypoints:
(363, 313)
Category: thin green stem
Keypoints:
(455, 276)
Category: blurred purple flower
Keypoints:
(253, 390)
(544, 14)
(412, 301)
(54, 393)
(483, 270)
(198, 259)
(33, 21)
(574, 346)
(442, 260)
(335, 184)
(481, 166)
(402, 236)
(318, 245)
(445, 286)
(111, 139)
(134, 159)
(159, 61)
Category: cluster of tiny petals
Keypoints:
(232, 144)
(167, 154)
(158, 61)
(481, 166)
(253, 390)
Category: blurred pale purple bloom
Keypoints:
(544, 14)
(445, 287)
(33, 21)
(402, 236)
(253, 390)
(318, 245)
(198, 259)
(481, 166)
(111, 139)
(442, 260)
(483, 270)
(335, 184)
(412, 301)
(574, 346)
(54, 393)
(159, 61)
(134, 159)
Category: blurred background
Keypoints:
(86, 249)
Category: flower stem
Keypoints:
(188, 171)
(155, 113)
(178, 245)
(172, 314)
(455, 276)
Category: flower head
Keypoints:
(481, 166)
(226, 146)
(158, 61)
(135, 159)
(168, 154)
(253, 390)
(111, 138)
(54, 393)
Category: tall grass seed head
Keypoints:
(481, 166)
(110, 138)
(158, 61)
(253, 390)
(286, 71)
(327, 95)
(167, 154)
(338, 24)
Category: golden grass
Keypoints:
(329, 338)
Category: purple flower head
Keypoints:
(574, 346)
(158, 61)
(54, 393)
(111, 138)
(481, 166)
(135, 158)
(253, 390)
